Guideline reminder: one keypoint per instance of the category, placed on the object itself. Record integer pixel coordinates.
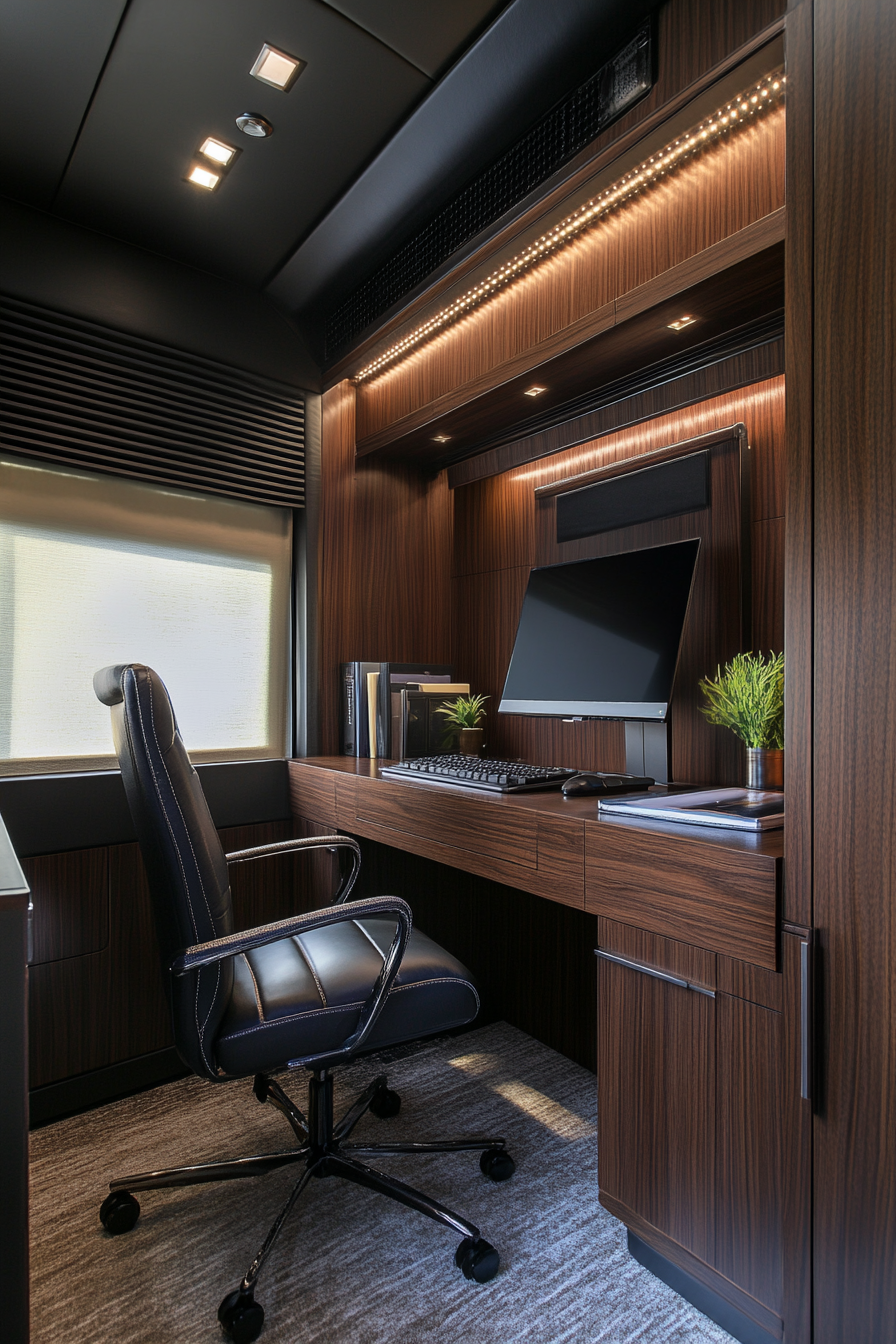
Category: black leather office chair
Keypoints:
(310, 992)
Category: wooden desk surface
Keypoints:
(713, 888)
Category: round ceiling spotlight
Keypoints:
(251, 123)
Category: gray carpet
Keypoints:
(350, 1266)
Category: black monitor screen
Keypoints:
(601, 637)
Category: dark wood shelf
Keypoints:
(727, 285)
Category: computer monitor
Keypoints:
(600, 638)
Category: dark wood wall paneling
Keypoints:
(497, 540)
(655, 248)
(854, 674)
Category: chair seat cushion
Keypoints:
(303, 996)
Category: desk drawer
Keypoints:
(476, 824)
(312, 793)
(709, 895)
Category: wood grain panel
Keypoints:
(709, 894)
(670, 394)
(854, 690)
(656, 1063)
(70, 895)
(708, 216)
(755, 983)
(477, 825)
(749, 1174)
(561, 860)
(768, 587)
(697, 1268)
(312, 793)
(694, 964)
(699, 42)
(565, 364)
(385, 564)
(495, 526)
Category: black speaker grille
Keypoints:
(87, 395)
(663, 491)
(568, 127)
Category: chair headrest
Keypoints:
(107, 682)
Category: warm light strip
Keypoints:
(743, 110)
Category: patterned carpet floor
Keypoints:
(350, 1267)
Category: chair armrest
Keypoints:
(232, 944)
(219, 949)
(307, 842)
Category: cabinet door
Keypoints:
(656, 1071)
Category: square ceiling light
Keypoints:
(277, 68)
(218, 152)
(203, 177)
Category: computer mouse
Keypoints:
(580, 784)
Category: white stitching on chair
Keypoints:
(255, 983)
(199, 1028)
(296, 938)
(358, 925)
(345, 1007)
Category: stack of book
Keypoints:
(738, 809)
(375, 709)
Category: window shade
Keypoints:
(89, 396)
(96, 570)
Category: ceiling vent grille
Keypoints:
(567, 128)
(93, 397)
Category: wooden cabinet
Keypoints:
(701, 1123)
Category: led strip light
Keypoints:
(743, 110)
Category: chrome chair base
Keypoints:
(323, 1151)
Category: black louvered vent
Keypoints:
(568, 127)
(87, 395)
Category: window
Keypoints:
(97, 570)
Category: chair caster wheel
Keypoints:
(119, 1212)
(478, 1259)
(497, 1164)
(241, 1317)
(385, 1104)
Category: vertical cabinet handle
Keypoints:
(806, 1014)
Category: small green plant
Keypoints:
(464, 712)
(748, 698)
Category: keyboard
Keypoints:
(473, 773)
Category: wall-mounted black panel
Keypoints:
(663, 491)
(51, 814)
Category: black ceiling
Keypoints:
(401, 102)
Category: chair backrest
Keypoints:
(184, 860)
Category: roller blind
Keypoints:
(92, 397)
(97, 570)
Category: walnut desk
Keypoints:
(703, 1132)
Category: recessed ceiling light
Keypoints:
(277, 68)
(217, 151)
(681, 322)
(203, 177)
(251, 123)
(441, 438)
(534, 391)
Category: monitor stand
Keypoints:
(648, 749)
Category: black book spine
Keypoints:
(349, 711)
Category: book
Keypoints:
(739, 809)
(367, 725)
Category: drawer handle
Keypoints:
(651, 970)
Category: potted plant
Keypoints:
(465, 713)
(748, 698)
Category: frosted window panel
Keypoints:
(213, 625)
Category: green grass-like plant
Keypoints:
(748, 698)
(464, 712)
